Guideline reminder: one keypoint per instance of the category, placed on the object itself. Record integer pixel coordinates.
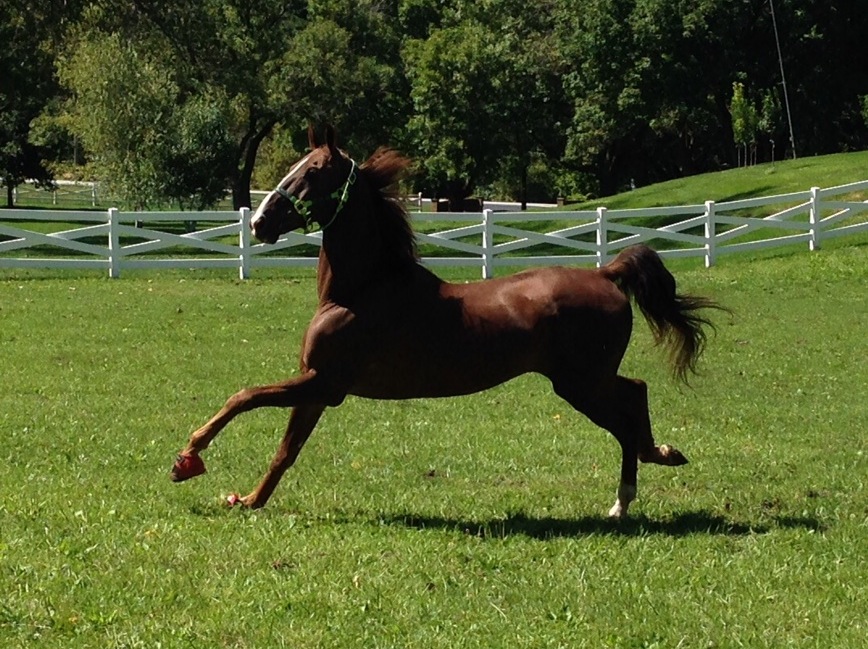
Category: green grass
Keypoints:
(473, 522)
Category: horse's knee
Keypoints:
(242, 400)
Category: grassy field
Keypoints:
(428, 523)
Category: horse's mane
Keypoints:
(382, 171)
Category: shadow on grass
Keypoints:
(699, 522)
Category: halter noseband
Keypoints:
(303, 207)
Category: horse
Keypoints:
(386, 327)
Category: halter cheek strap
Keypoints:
(301, 206)
(342, 194)
(304, 207)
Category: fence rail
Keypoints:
(117, 241)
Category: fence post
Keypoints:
(114, 244)
(814, 218)
(244, 244)
(602, 238)
(487, 244)
(710, 231)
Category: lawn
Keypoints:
(473, 522)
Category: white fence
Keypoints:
(79, 191)
(118, 241)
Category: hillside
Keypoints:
(760, 180)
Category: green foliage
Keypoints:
(125, 100)
(770, 114)
(486, 94)
(154, 142)
(276, 156)
(27, 87)
(201, 154)
(607, 91)
(450, 73)
(741, 115)
(243, 69)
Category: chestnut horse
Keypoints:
(388, 328)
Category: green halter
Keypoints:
(303, 207)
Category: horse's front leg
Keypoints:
(301, 424)
(309, 388)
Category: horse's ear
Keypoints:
(331, 138)
(311, 136)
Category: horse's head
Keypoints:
(313, 193)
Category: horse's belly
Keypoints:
(417, 389)
(438, 375)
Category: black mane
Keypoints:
(382, 171)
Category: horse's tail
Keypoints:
(674, 318)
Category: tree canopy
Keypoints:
(183, 100)
(27, 87)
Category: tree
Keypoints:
(530, 110)
(745, 123)
(26, 87)
(368, 102)
(450, 75)
(201, 155)
(486, 92)
(769, 121)
(603, 87)
(820, 42)
(863, 101)
(127, 119)
(259, 64)
(486, 95)
(651, 82)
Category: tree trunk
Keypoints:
(249, 149)
(10, 196)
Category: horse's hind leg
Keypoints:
(621, 407)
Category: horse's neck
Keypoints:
(348, 263)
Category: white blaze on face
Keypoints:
(283, 183)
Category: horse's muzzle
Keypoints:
(257, 227)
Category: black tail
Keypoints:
(674, 319)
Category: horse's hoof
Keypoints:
(672, 456)
(618, 512)
(186, 467)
